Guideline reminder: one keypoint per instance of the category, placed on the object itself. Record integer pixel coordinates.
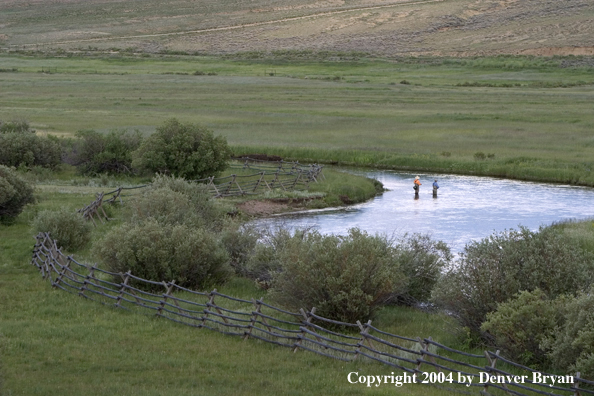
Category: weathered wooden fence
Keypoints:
(287, 176)
(303, 330)
(266, 177)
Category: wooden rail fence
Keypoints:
(288, 176)
(303, 330)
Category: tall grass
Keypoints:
(534, 131)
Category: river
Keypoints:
(467, 208)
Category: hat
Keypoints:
(417, 178)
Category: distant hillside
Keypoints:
(387, 27)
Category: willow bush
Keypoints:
(185, 150)
(15, 194)
(494, 269)
(190, 256)
(346, 278)
(70, 230)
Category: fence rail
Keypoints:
(303, 330)
(267, 177)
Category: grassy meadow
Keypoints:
(518, 117)
(55, 343)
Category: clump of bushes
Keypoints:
(171, 233)
(21, 147)
(15, 194)
(346, 278)
(95, 153)
(68, 228)
(184, 150)
(520, 325)
(544, 332)
(495, 269)
(422, 260)
(172, 200)
(192, 257)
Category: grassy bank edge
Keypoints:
(519, 168)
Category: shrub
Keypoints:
(422, 260)
(183, 150)
(68, 228)
(346, 278)
(17, 126)
(520, 325)
(96, 153)
(172, 200)
(479, 156)
(493, 270)
(20, 149)
(15, 193)
(192, 257)
(240, 243)
(572, 345)
(265, 259)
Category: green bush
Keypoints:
(68, 228)
(240, 243)
(96, 153)
(422, 260)
(192, 257)
(17, 126)
(493, 270)
(172, 201)
(346, 278)
(15, 193)
(21, 149)
(572, 345)
(265, 259)
(183, 150)
(520, 325)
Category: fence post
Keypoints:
(308, 319)
(123, 288)
(492, 363)
(168, 289)
(85, 283)
(65, 268)
(253, 318)
(576, 385)
(259, 181)
(364, 331)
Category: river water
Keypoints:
(467, 208)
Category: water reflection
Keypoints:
(468, 208)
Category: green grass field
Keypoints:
(55, 343)
(530, 118)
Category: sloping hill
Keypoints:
(388, 27)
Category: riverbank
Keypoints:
(480, 164)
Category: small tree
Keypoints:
(184, 150)
(96, 153)
(15, 193)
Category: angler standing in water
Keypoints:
(435, 187)
(417, 186)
